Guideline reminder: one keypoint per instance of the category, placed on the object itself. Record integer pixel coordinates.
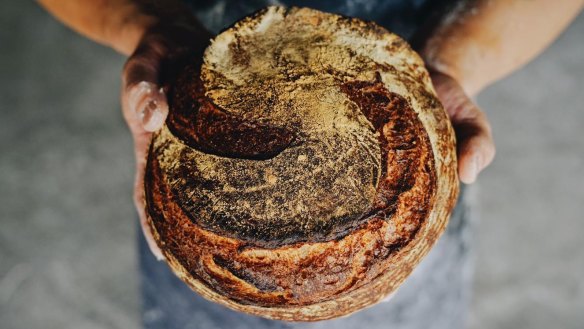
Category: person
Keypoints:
(467, 45)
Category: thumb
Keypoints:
(146, 105)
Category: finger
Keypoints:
(475, 145)
(140, 204)
(141, 142)
(476, 148)
(146, 101)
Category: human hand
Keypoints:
(144, 101)
(475, 145)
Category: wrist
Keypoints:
(447, 62)
(471, 80)
(139, 21)
(450, 45)
(125, 32)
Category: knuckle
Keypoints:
(139, 69)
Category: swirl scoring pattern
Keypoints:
(293, 169)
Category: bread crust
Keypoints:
(305, 171)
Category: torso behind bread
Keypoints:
(401, 17)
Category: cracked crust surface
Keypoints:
(305, 168)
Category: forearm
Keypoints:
(482, 41)
(119, 24)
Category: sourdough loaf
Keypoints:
(305, 168)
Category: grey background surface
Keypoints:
(67, 238)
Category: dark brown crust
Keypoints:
(401, 137)
(406, 152)
(202, 125)
(316, 272)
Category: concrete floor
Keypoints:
(67, 239)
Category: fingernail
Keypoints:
(151, 116)
(149, 104)
(138, 94)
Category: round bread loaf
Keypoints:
(306, 167)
